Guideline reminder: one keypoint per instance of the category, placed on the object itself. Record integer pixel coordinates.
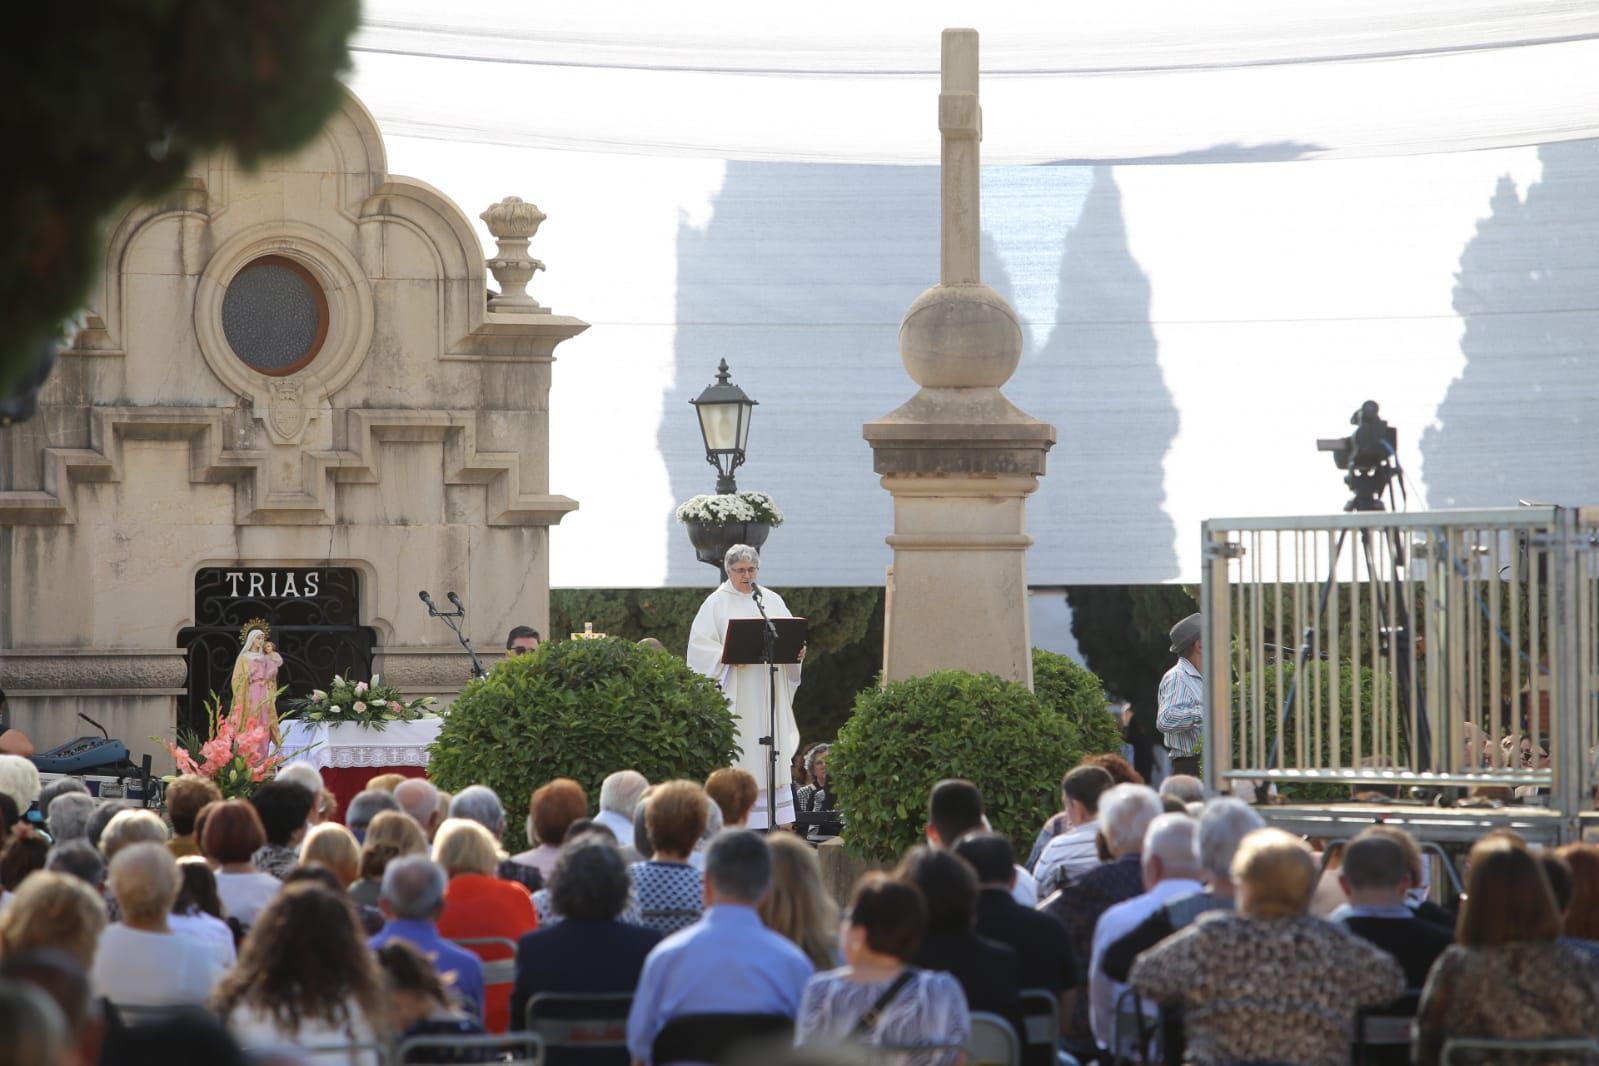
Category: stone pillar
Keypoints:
(959, 458)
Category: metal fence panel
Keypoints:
(1378, 651)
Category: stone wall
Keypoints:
(412, 445)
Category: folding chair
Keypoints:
(1385, 1028)
(1133, 1030)
(495, 971)
(993, 1041)
(510, 1049)
(355, 1053)
(133, 1014)
(1483, 1049)
(718, 1038)
(498, 974)
(901, 1054)
(595, 1022)
(1040, 1018)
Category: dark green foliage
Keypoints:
(1079, 696)
(111, 104)
(905, 737)
(833, 679)
(844, 656)
(582, 709)
(1122, 633)
(1315, 679)
(631, 614)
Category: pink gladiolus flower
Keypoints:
(182, 758)
(218, 751)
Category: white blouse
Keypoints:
(255, 1030)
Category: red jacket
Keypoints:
(476, 905)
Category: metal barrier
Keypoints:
(1384, 652)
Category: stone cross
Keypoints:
(960, 122)
(959, 458)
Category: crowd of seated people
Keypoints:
(1172, 924)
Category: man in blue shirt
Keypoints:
(726, 963)
(413, 898)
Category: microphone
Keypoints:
(755, 590)
(425, 598)
(453, 598)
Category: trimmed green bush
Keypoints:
(845, 644)
(907, 736)
(581, 709)
(1079, 695)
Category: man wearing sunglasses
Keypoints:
(521, 641)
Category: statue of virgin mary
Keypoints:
(255, 683)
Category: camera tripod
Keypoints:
(1370, 460)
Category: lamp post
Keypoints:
(724, 413)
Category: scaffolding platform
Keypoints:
(1447, 661)
(1439, 825)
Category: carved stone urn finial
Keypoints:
(513, 222)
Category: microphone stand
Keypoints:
(449, 618)
(768, 653)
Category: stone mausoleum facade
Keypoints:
(297, 399)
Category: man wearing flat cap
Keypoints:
(1181, 710)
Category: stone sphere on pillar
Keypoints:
(956, 336)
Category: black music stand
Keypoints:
(771, 642)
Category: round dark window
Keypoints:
(275, 315)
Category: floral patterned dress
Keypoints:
(1521, 990)
(1280, 990)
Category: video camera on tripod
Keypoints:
(1369, 455)
(1370, 458)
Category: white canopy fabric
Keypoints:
(716, 183)
(1092, 81)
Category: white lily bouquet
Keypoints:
(369, 704)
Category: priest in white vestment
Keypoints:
(747, 686)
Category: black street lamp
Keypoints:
(724, 413)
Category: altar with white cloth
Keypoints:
(349, 755)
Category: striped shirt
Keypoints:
(1181, 710)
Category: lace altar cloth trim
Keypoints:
(342, 746)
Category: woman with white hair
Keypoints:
(130, 827)
(141, 961)
(619, 798)
(748, 687)
(69, 816)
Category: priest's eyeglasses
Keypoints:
(744, 571)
